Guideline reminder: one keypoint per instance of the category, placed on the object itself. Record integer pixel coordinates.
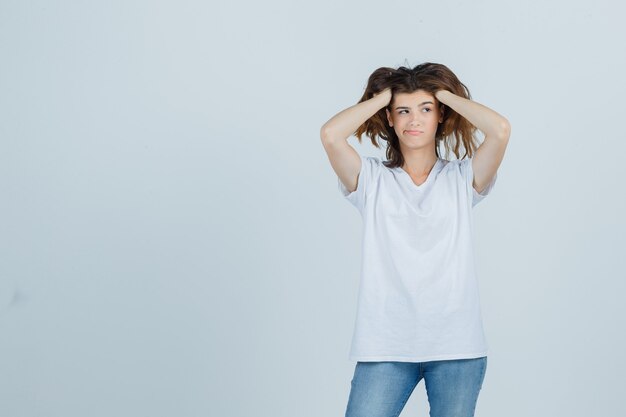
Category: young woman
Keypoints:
(418, 313)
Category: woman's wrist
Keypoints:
(383, 98)
(441, 95)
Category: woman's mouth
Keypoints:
(414, 132)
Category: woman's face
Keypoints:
(415, 117)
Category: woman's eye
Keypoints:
(425, 108)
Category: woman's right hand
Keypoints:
(385, 96)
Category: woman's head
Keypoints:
(415, 118)
(413, 106)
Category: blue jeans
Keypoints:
(381, 389)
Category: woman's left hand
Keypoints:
(439, 93)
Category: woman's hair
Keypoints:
(455, 131)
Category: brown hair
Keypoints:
(455, 131)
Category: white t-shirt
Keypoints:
(418, 294)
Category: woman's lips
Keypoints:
(414, 132)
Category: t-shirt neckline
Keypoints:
(428, 179)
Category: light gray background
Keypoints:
(173, 241)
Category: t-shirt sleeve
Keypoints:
(366, 180)
(468, 174)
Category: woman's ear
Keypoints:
(389, 118)
(441, 113)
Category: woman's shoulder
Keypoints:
(454, 164)
(373, 162)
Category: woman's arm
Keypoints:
(344, 159)
(492, 124)
(496, 128)
(346, 122)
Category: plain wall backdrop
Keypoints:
(173, 241)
